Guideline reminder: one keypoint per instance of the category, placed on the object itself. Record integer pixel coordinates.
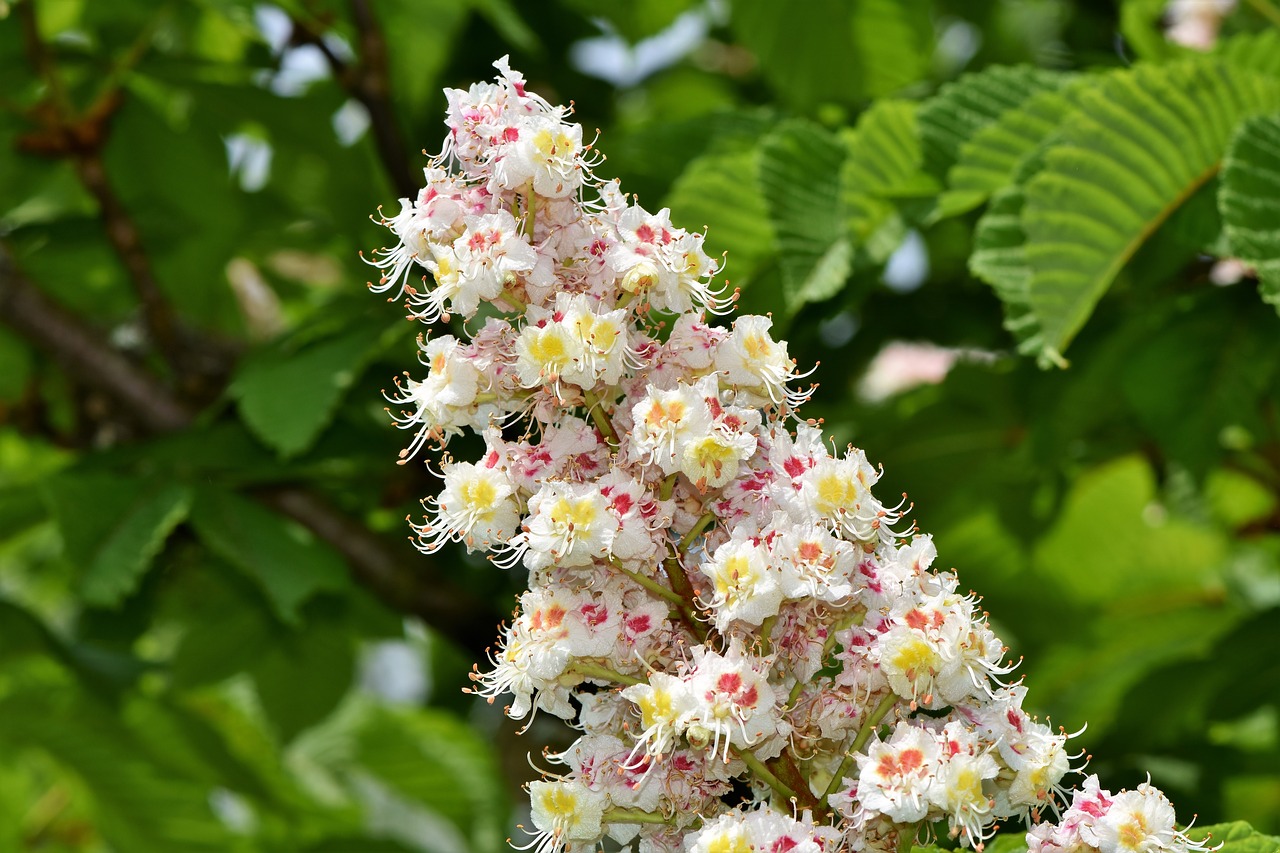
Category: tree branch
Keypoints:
(65, 132)
(125, 238)
(85, 356)
(369, 82)
(82, 354)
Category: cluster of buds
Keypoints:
(755, 649)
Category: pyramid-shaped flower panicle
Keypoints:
(755, 647)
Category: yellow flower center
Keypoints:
(573, 514)
(479, 494)
(915, 657)
(836, 493)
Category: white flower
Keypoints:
(483, 261)
(734, 702)
(666, 705)
(569, 525)
(545, 351)
(443, 401)
(744, 582)
(667, 421)
(545, 151)
(728, 833)
(565, 812)
(753, 361)
(837, 492)
(813, 563)
(894, 776)
(1140, 821)
(958, 789)
(476, 507)
(712, 460)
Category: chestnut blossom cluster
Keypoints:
(758, 655)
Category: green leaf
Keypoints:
(883, 165)
(1086, 674)
(1223, 360)
(506, 19)
(417, 54)
(1146, 549)
(16, 358)
(993, 156)
(358, 844)
(43, 192)
(807, 59)
(138, 806)
(224, 634)
(113, 528)
(884, 156)
(1142, 22)
(712, 194)
(288, 393)
(1007, 842)
(893, 44)
(1249, 198)
(797, 161)
(20, 509)
(1000, 259)
(1237, 837)
(435, 759)
(304, 675)
(635, 21)
(961, 109)
(1140, 145)
(1258, 52)
(284, 558)
(838, 51)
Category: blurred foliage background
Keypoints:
(213, 634)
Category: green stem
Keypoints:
(511, 299)
(864, 734)
(796, 690)
(684, 589)
(595, 670)
(648, 583)
(765, 775)
(618, 814)
(601, 418)
(699, 526)
(668, 486)
(830, 642)
(625, 300)
(907, 839)
(531, 210)
(766, 628)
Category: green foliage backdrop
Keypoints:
(213, 634)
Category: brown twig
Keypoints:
(64, 132)
(125, 238)
(369, 82)
(86, 357)
(82, 354)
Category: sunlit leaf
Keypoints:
(961, 109)
(281, 556)
(712, 193)
(797, 161)
(113, 527)
(1117, 174)
(1249, 198)
(289, 393)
